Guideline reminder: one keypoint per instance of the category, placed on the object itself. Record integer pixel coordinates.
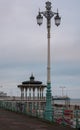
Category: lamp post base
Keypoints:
(48, 113)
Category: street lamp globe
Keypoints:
(39, 19)
(57, 19)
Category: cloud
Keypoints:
(23, 44)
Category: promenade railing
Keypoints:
(60, 114)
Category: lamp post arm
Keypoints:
(48, 14)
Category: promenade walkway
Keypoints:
(13, 121)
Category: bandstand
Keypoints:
(32, 89)
(32, 93)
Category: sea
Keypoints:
(75, 102)
(72, 102)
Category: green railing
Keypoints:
(60, 115)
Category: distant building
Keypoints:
(2, 94)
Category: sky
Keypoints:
(23, 46)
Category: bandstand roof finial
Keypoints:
(32, 77)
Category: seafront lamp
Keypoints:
(48, 14)
(57, 19)
(39, 19)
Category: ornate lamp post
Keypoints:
(48, 14)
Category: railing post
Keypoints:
(77, 120)
(63, 122)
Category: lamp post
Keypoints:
(62, 87)
(48, 14)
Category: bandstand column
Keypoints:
(42, 93)
(29, 93)
(33, 93)
(37, 93)
(26, 93)
(22, 93)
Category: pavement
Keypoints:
(15, 121)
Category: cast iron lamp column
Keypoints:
(48, 14)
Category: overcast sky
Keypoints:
(23, 46)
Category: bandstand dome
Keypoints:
(32, 81)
